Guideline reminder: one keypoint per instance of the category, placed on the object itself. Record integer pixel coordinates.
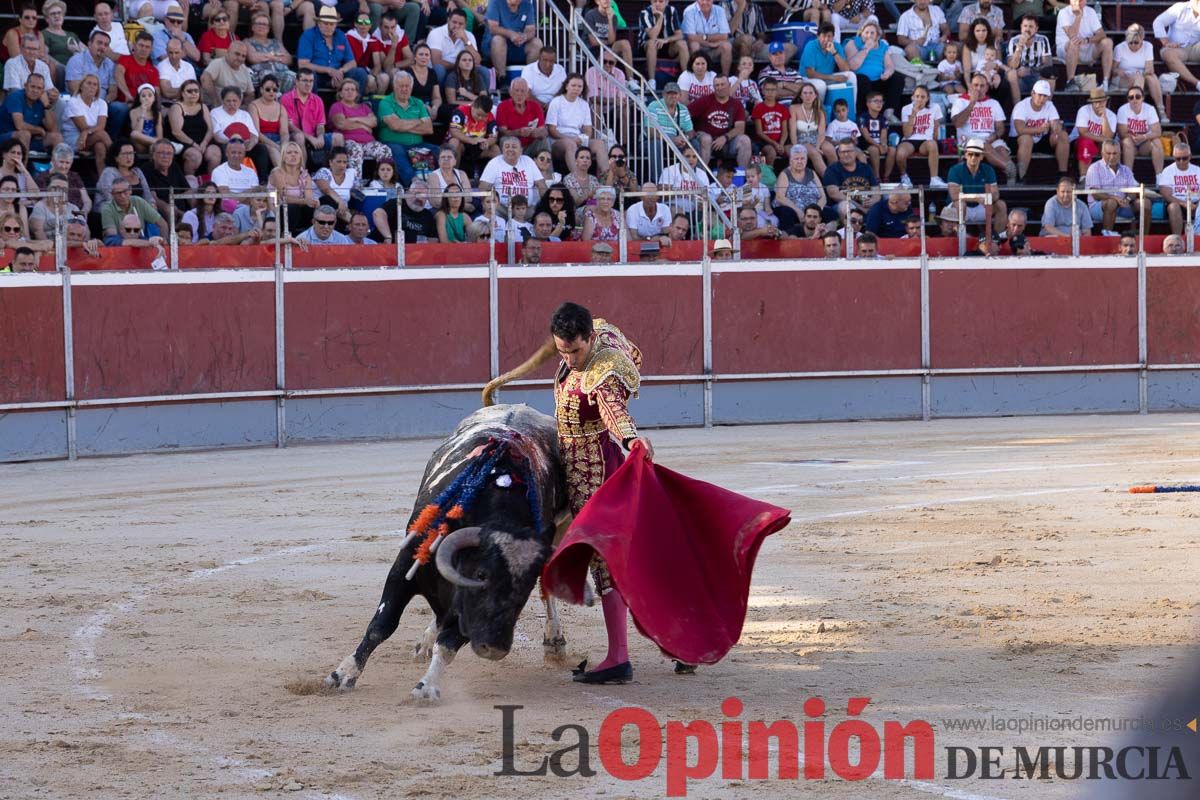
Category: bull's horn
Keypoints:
(463, 537)
(543, 354)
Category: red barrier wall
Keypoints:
(32, 362)
(816, 320)
(663, 315)
(386, 333)
(1032, 317)
(1173, 315)
(160, 336)
(173, 339)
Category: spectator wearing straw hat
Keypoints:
(722, 250)
(326, 51)
(974, 176)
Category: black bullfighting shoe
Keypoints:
(684, 669)
(618, 673)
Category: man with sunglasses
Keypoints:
(1140, 129)
(326, 51)
(1179, 186)
(173, 30)
(322, 230)
(973, 176)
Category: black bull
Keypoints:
(485, 570)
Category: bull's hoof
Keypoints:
(426, 693)
(345, 676)
(336, 681)
(554, 650)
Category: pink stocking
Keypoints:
(615, 613)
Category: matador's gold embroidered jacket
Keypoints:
(591, 407)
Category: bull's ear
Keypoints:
(459, 540)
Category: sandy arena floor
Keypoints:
(155, 610)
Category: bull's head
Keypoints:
(495, 571)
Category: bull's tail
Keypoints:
(541, 356)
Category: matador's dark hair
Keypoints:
(571, 321)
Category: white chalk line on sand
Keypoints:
(970, 472)
(88, 635)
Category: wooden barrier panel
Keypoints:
(816, 320)
(348, 333)
(983, 317)
(1173, 315)
(662, 314)
(32, 361)
(180, 338)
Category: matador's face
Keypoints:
(575, 353)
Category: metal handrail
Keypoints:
(1140, 192)
(273, 204)
(580, 55)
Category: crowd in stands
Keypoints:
(406, 106)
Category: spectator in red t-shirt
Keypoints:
(770, 119)
(134, 70)
(721, 120)
(369, 53)
(520, 115)
(216, 40)
(472, 134)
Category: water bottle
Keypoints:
(933, 212)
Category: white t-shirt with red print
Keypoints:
(1138, 124)
(1037, 123)
(982, 122)
(1090, 121)
(1181, 183)
(923, 122)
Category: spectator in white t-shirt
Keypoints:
(1135, 66)
(545, 76)
(1079, 38)
(1140, 129)
(1179, 186)
(512, 173)
(648, 219)
(921, 122)
(569, 122)
(1178, 32)
(1095, 124)
(447, 41)
(234, 175)
(979, 117)
(173, 71)
(1038, 127)
(923, 31)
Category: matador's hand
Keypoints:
(645, 443)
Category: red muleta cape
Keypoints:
(680, 551)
